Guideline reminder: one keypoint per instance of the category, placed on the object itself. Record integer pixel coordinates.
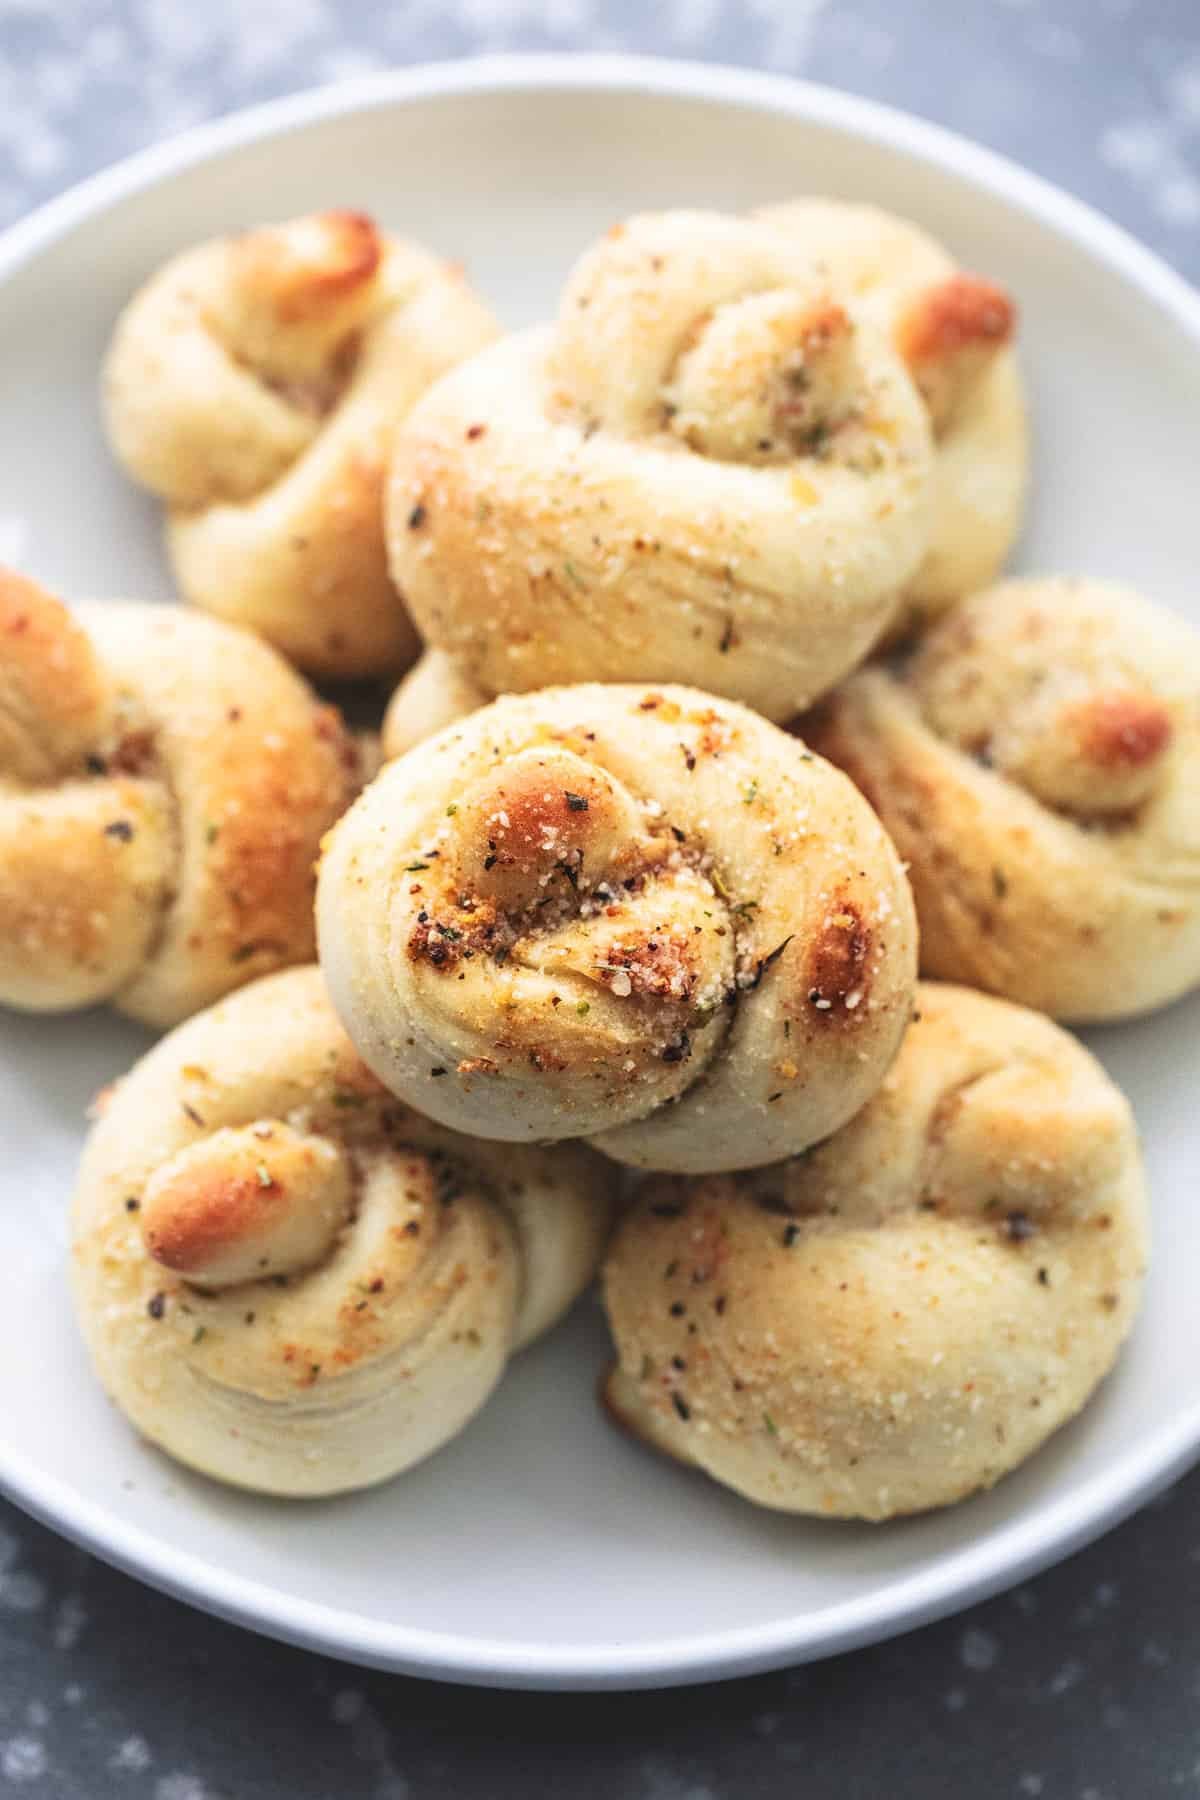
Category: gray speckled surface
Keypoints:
(1084, 1684)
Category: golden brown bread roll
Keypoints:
(906, 1313)
(1037, 761)
(638, 915)
(254, 384)
(165, 781)
(712, 469)
(290, 1281)
(955, 332)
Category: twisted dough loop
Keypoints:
(709, 470)
(637, 915)
(290, 1281)
(954, 331)
(254, 384)
(907, 1313)
(1037, 763)
(164, 785)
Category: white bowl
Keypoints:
(541, 1548)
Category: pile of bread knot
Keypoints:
(718, 731)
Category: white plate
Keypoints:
(542, 1548)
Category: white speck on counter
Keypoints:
(1066, 1677)
(182, 1787)
(978, 1650)
(131, 1756)
(1032, 1784)
(370, 1742)
(21, 1592)
(23, 1759)
(659, 1779)
(1154, 151)
(70, 1619)
(691, 21)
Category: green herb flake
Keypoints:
(770, 1424)
(583, 1009)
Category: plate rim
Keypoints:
(1026, 1544)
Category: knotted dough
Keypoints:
(638, 915)
(165, 781)
(254, 384)
(906, 1313)
(1037, 761)
(292, 1282)
(714, 468)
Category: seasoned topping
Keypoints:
(766, 378)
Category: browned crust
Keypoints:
(298, 287)
(838, 968)
(1120, 730)
(962, 312)
(204, 1212)
(263, 859)
(49, 662)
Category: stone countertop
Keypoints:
(1082, 1685)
